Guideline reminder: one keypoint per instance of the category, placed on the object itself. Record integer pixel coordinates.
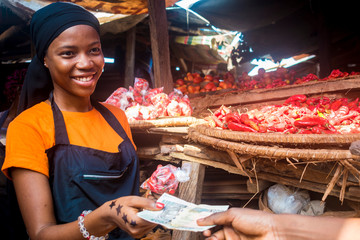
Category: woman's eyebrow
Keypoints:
(74, 46)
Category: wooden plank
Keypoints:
(213, 196)
(169, 130)
(130, 57)
(242, 189)
(206, 152)
(191, 191)
(259, 186)
(259, 95)
(148, 151)
(168, 148)
(160, 45)
(173, 139)
(226, 167)
(158, 157)
(232, 181)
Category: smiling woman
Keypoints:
(62, 136)
(75, 62)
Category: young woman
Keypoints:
(65, 153)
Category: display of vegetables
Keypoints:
(143, 103)
(194, 83)
(298, 114)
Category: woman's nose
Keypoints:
(85, 62)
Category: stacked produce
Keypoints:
(143, 103)
(194, 83)
(297, 115)
(282, 77)
(278, 78)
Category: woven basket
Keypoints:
(328, 140)
(270, 151)
(165, 122)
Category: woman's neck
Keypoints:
(73, 103)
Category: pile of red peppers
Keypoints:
(299, 114)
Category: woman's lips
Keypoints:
(84, 79)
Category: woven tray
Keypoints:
(165, 122)
(279, 138)
(271, 151)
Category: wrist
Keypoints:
(85, 233)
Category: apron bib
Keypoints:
(83, 178)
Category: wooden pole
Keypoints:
(160, 45)
(130, 57)
(191, 191)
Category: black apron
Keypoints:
(83, 178)
(11, 223)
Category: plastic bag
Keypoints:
(282, 199)
(166, 179)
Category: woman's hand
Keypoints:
(239, 223)
(124, 214)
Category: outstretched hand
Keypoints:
(239, 223)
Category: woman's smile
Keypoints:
(75, 53)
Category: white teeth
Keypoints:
(83, 79)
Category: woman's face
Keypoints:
(75, 61)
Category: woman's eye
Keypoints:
(67, 53)
(95, 50)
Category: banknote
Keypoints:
(181, 215)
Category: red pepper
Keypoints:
(336, 105)
(291, 130)
(232, 117)
(330, 127)
(262, 128)
(217, 121)
(296, 98)
(324, 100)
(310, 121)
(353, 104)
(342, 111)
(222, 111)
(317, 130)
(304, 131)
(240, 127)
(246, 120)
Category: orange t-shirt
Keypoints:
(31, 133)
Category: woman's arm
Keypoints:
(35, 201)
(242, 223)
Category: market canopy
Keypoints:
(280, 28)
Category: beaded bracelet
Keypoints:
(83, 230)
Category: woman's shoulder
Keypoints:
(38, 113)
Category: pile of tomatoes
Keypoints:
(194, 83)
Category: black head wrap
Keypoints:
(47, 24)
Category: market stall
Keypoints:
(232, 157)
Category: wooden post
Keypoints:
(191, 191)
(160, 45)
(130, 57)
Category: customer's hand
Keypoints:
(239, 223)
